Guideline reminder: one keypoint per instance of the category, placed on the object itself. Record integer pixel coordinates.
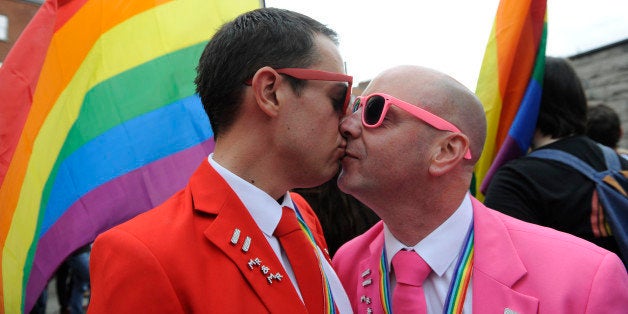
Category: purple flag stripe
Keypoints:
(96, 211)
(509, 151)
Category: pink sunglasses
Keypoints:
(318, 75)
(376, 106)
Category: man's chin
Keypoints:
(342, 182)
(322, 179)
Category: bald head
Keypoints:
(437, 93)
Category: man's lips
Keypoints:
(348, 154)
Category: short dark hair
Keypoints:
(563, 110)
(264, 37)
(603, 125)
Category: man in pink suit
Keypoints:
(413, 167)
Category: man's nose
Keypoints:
(350, 126)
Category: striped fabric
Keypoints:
(510, 84)
(99, 121)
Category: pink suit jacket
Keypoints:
(518, 266)
(179, 257)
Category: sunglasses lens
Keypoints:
(373, 109)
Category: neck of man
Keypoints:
(541, 139)
(249, 159)
(413, 220)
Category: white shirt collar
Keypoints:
(263, 208)
(442, 246)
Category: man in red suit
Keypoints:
(412, 142)
(272, 84)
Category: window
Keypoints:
(4, 28)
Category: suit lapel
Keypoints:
(369, 278)
(247, 248)
(490, 296)
(497, 267)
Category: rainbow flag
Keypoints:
(99, 121)
(510, 84)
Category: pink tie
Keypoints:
(410, 271)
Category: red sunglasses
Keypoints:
(318, 75)
(376, 105)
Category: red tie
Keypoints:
(303, 260)
(410, 271)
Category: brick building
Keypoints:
(604, 75)
(14, 16)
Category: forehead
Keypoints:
(330, 59)
(408, 83)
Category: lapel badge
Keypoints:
(254, 262)
(367, 282)
(369, 310)
(265, 269)
(509, 311)
(247, 244)
(366, 273)
(276, 276)
(235, 237)
(365, 299)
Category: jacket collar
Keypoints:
(369, 277)
(497, 267)
(247, 248)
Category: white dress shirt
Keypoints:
(441, 250)
(266, 213)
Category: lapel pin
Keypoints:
(367, 282)
(235, 237)
(246, 245)
(365, 299)
(276, 276)
(254, 262)
(369, 310)
(265, 269)
(366, 273)
(509, 311)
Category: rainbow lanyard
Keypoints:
(457, 288)
(329, 298)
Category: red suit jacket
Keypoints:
(179, 257)
(517, 266)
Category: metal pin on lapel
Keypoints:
(276, 276)
(365, 299)
(246, 245)
(366, 273)
(367, 282)
(265, 269)
(235, 237)
(254, 262)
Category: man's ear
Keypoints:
(449, 153)
(265, 84)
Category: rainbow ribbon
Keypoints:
(329, 297)
(384, 283)
(462, 277)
